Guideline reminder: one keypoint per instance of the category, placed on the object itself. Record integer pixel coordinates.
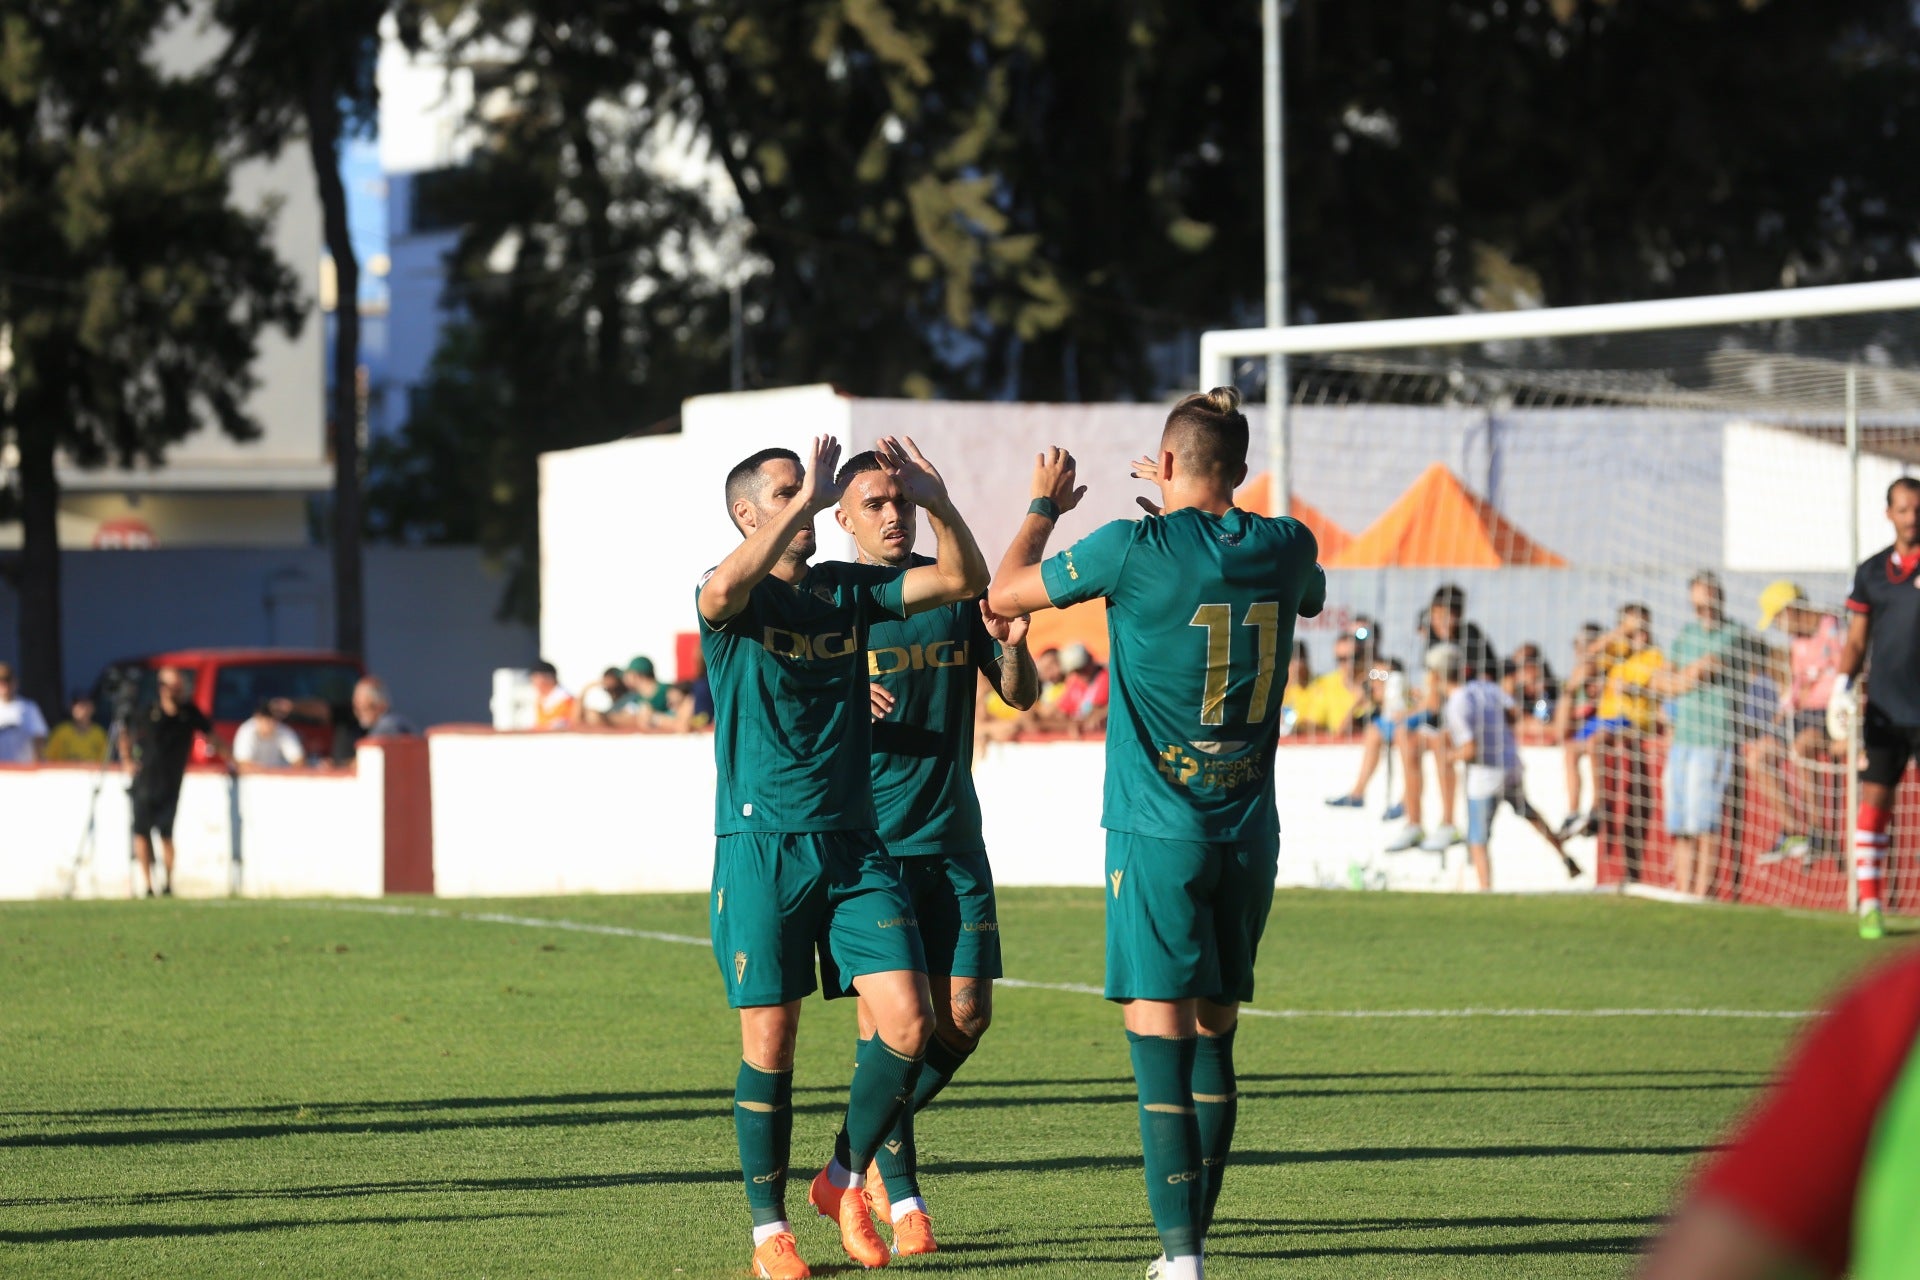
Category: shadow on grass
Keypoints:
(405, 1187)
(173, 1230)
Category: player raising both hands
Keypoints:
(799, 870)
(1201, 598)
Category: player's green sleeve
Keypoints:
(725, 624)
(1315, 597)
(1090, 568)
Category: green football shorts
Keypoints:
(952, 896)
(780, 900)
(1184, 917)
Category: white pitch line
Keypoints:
(1074, 988)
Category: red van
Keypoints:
(227, 684)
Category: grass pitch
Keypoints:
(258, 1088)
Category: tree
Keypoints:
(132, 291)
(306, 67)
(587, 314)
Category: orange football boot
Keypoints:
(914, 1234)
(779, 1259)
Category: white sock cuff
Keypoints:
(912, 1204)
(841, 1176)
(763, 1234)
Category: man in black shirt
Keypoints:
(1885, 612)
(160, 741)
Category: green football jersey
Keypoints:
(1200, 612)
(791, 716)
(923, 750)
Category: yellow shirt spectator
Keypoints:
(70, 744)
(1326, 703)
(1625, 696)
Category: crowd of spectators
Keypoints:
(631, 698)
(1720, 698)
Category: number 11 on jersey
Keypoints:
(1218, 620)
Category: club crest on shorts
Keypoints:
(739, 966)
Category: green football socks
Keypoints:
(1170, 1135)
(899, 1166)
(883, 1081)
(763, 1125)
(1216, 1104)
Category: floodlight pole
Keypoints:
(1279, 421)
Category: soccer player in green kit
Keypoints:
(799, 868)
(923, 688)
(1201, 599)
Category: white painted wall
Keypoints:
(626, 529)
(1786, 508)
(304, 833)
(529, 814)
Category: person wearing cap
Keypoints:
(1444, 623)
(1815, 643)
(1083, 705)
(646, 704)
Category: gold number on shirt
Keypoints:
(1218, 620)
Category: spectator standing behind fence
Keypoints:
(161, 739)
(1799, 729)
(1624, 662)
(1884, 627)
(373, 711)
(1482, 725)
(80, 739)
(554, 706)
(1443, 623)
(264, 738)
(1710, 663)
(1386, 686)
(23, 730)
(598, 700)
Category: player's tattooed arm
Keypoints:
(959, 569)
(1018, 587)
(1018, 680)
(731, 584)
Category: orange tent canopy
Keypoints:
(1256, 495)
(1440, 523)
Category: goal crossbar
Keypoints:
(1220, 347)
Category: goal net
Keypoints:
(1651, 513)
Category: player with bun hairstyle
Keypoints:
(1201, 598)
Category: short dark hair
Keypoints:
(743, 482)
(1453, 596)
(1710, 580)
(1208, 433)
(1904, 482)
(544, 668)
(858, 465)
(1636, 608)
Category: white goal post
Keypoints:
(1608, 456)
